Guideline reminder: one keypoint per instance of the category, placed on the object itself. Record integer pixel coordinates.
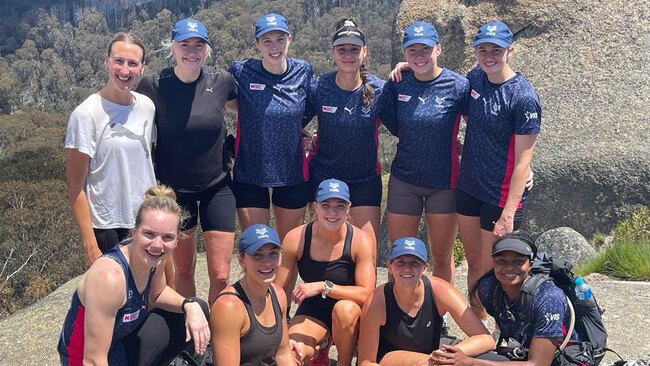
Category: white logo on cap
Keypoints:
(491, 30)
(419, 31)
(261, 233)
(349, 23)
(410, 244)
(271, 20)
(334, 187)
(192, 27)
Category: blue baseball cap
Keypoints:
(270, 22)
(496, 32)
(409, 246)
(256, 236)
(332, 188)
(420, 32)
(189, 28)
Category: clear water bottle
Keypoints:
(583, 291)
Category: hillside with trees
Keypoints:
(51, 54)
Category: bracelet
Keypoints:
(187, 301)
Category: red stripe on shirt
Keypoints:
(510, 167)
(455, 163)
(75, 346)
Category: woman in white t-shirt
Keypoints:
(108, 151)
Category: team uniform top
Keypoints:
(548, 307)
(190, 126)
(404, 332)
(497, 112)
(118, 140)
(425, 115)
(268, 146)
(127, 319)
(348, 137)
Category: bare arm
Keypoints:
(232, 106)
(284, 355)
(373, 316)
(76, 172)
(102, 291)
(448, 299)
(227, 319)
(524, 147)
(541, 353)
(290, 246)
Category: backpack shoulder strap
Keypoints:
(527, 292)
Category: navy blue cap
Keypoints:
(420, 32)
(332, 188)
(496, 32)
(514, 245)
(270, 22)
(256, 236)
(189, 28)
(409, 246)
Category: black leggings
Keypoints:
(159, 339)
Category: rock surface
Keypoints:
(29, 337)
(588, 62)
(566, 243)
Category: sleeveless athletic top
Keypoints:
(260, 344)
(127, 319)
(403, 332)
(340, 271)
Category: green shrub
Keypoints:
(629, 256)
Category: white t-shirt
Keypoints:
(118, 140)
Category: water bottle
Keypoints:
(583, 291)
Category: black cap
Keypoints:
(515, 245)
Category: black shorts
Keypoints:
(319, 309)
(215, 207)
(366, 193)
(108, 238)
(468, 205)
(288, 197)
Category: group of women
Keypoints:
(274, 98)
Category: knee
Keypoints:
(346, 313)
(184, 269)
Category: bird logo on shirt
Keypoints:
(365, 111)
(440, 100)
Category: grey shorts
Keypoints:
(407, 199)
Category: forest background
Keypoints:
(51, 54)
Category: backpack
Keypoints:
(586, 313)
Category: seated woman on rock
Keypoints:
(108, 322)
(254, 328)
(401, 320)
(335, 260)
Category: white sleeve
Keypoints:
(81, 132)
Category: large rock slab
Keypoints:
(588, 61)
(566, 243)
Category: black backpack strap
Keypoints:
(526, 299)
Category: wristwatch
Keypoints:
(327, 287)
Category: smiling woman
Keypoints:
(109, 321)
(108, 147)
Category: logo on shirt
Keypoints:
(403, 97)
(261, 233)
(550, 317)
(349, 110)
(289, 88)
(209, 90)
(530, 115)
(422, 99)
(127, 318)
(121, 131)
(440, 100)
(366, 111)
(255, 86)
(475, 94)
(428, 323)
(329, 109)
(130, 295)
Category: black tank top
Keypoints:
(340, 271)
(403, 332)
(260, 344)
